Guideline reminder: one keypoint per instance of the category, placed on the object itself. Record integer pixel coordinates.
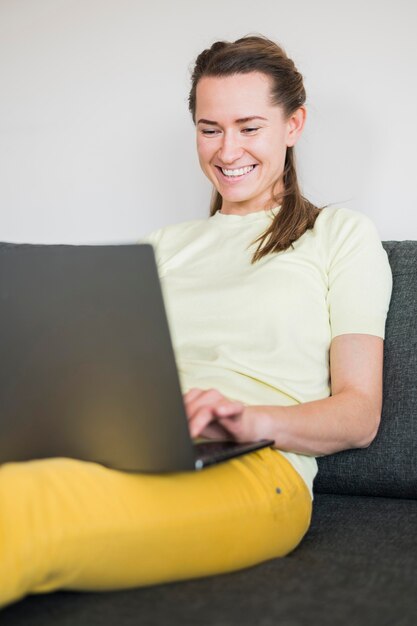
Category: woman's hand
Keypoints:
(211, 414)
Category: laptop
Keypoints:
(87, 367)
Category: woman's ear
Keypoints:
(295, 125)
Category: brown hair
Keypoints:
(259, 54)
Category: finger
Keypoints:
(238, 426)
(231, 423)
(204, 398)
(215, 430)
(210, 395)
(200, 421)
(193, 401)
(229, 409)
(207, 416)
(192, 394)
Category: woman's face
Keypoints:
(242, 139)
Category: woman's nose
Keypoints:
(230, 149)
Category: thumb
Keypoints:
(229, 409)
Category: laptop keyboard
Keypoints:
(218, 449)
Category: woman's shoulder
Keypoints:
(338, 217)
(337, 224)
(169, 240)
(174, 233)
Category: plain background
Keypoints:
(96, 142)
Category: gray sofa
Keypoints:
(357, 564)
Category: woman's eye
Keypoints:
(209, 132)
(249, 130)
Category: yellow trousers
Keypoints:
(67, 524)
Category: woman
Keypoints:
(277, 311)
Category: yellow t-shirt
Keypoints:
(261, 333)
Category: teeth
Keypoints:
(239, 172)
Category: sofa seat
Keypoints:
(356, 565)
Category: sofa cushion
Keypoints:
(388, 467)
(356, 566)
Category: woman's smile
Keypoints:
(233, 176)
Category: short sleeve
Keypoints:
(359, 276)
(154, 238)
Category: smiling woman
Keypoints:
(253, 76)
(242, 156)
(281, 341)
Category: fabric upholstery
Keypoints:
(389, 466)
(356, 566)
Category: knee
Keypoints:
(28, 526)
(15, 530)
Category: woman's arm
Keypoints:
(349, 418)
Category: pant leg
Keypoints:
(67, 524)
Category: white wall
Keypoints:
(96, 143)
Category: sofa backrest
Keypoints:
(388, 467)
